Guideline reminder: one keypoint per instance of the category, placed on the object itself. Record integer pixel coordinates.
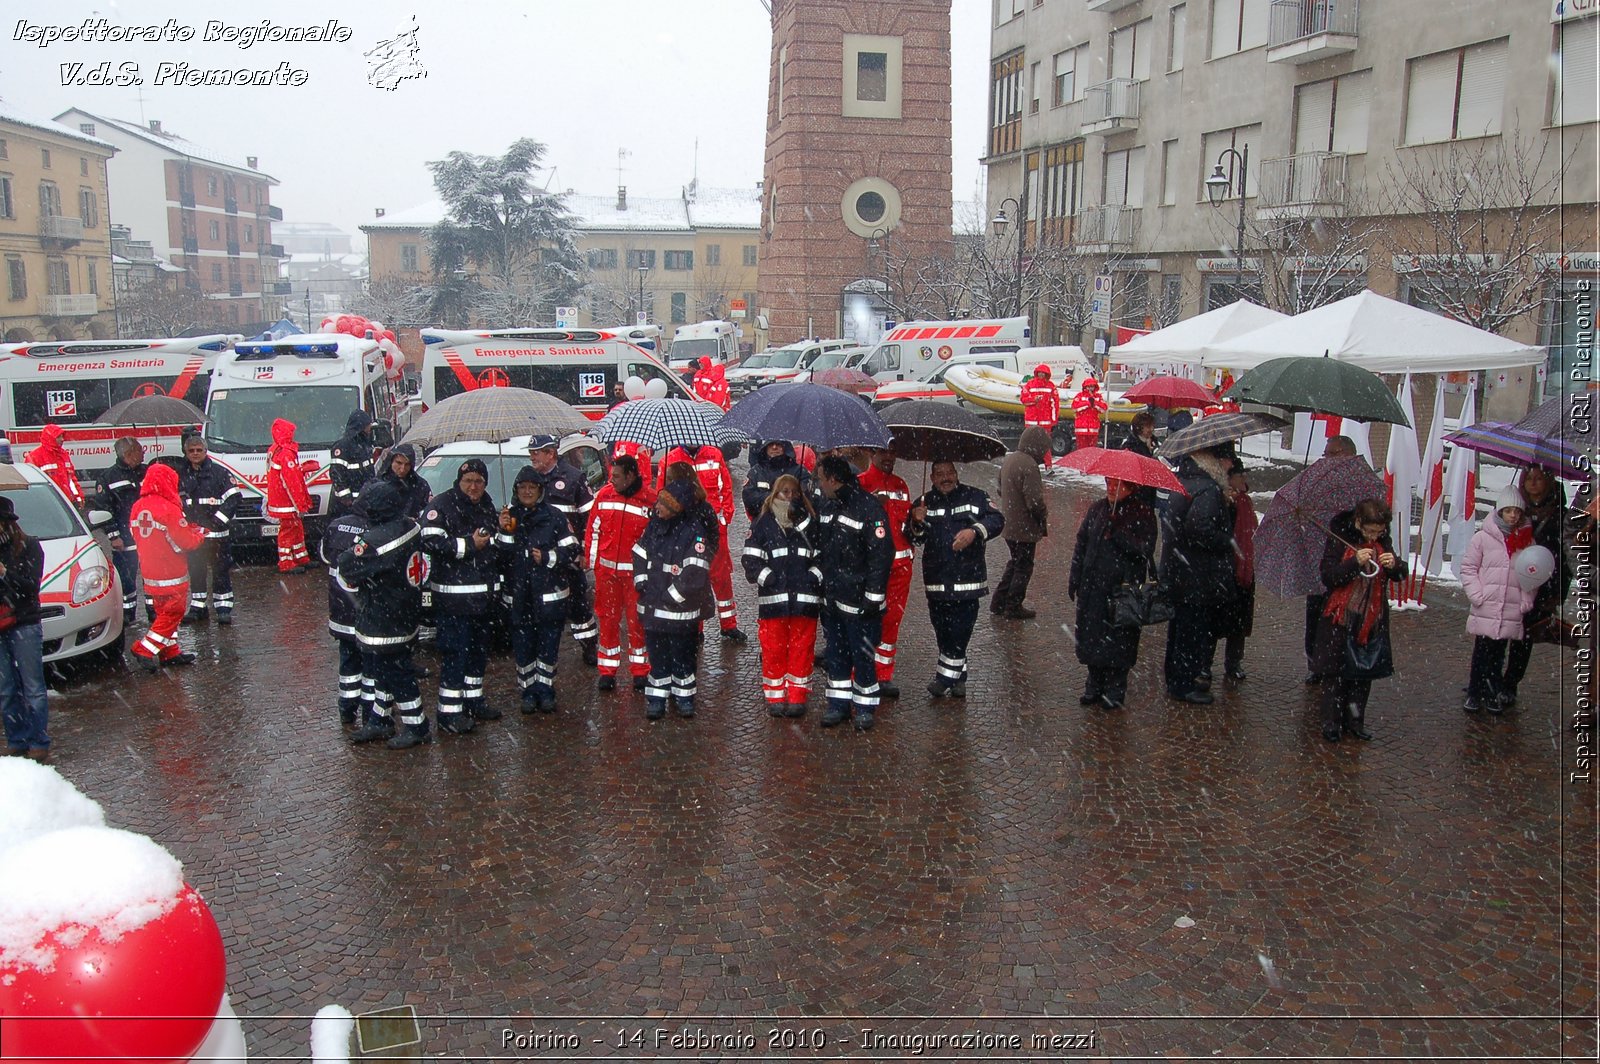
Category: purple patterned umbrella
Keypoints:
(1294, 530)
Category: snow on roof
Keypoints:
(644, 212)
(422, 216)
(179, 145)
(11, 114)
(726, 208)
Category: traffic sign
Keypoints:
(1100, 312)
(1102, 284)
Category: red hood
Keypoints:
(1041, 368)
(162, 483)
(283, 433)
(50, 437)
(707, 454)
(719, 372)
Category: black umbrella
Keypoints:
(154, 410)
(825, 418)
(1215, 429)
(1321, 386)
(928, 431)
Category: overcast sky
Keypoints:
(647, 76)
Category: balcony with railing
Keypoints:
(1309, 185)
(267, 210)
(59, 229)
(271, 251)
(80, 305)
(1105, 228)
(1304, 31)
(280, 288)
(233, 247)
(1111, 106)
(1109, 6)
(186, 198)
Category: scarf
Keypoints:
(1361, 599)
(1516, 538)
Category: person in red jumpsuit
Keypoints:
(712, 468)
(621, 510)
(53, 460)
(288, 498)
(640, 454)
(1041, 402)
(163, 538)
(879, 479)
(711, 383)
(1089, 404)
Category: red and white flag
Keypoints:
(1430, 546)
(1461, 485)
(1400, 474)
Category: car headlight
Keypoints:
(91, 583)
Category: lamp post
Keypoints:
(1000, 221)
(643, 270)
(1219, 186)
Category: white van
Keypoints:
(312, 380)
(72, 383)
(718, 340)
(577, 366)
(785, 363)
(914, 350)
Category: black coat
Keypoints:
(536, 586)
(948, 573)
(783, 566)
(853, 538)
(116, 489)
(210, 496)
(1197, 557)
(1328, 656)
(339, 536)
(1137, 446)
(464, 576)
(19, 588)
(1111, 550)
(386, 568)
(414, 491)
(672, 574)
(567, 491)
(1548, 519)
(764, 472)
(350, 462)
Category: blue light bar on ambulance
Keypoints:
(215, 345)
(267, 350)
(431, 338)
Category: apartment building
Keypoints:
(677, 259)
(55, 236)
(202, 210)
(1108, 117)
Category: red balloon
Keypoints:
(152, 993)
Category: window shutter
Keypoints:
(1122, 52)
(1135, 197)
(1253, 24)
(1180, 30)
(1169, 173)
(1576, 66)
(1224, 27)
(1352, 113)
(1140, 34)
(1313, 116)
(1116, 177)
(1430, 98)
(1483, 83)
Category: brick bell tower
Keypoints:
(858, 162)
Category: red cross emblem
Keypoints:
(417, 569)
(144, 525)
(494, 377)
(307, 371)
(148, 388)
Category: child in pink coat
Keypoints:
(1498, 599)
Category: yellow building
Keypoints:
(681, 259)
(55, 233)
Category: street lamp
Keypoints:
(1219, 186)
(1000, 221)
(643, 270)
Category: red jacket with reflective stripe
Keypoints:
(53, 459)
(160, 532)
(615, 524)
(714, 476)
(286, 481)
(1041, 403)
(896, 498)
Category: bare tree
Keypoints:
(1477, 216)
(1305, 263)
(392, 301)
(713, 288)
(157, 308)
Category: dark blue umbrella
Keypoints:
(825, 418)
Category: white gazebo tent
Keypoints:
(1377, 334)
(1183, 343)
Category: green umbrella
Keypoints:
(1320, 386)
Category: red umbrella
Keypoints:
(846, 380)
(1169, 392)
(1122, 465)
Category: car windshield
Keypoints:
(684, 349)
(241, 418)
(785, 357)
(829, 359)
(760, 360)
(43, 513)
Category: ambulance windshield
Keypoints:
(241, 418)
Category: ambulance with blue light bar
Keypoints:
(577, 366)
(313, 380)
(72, 383)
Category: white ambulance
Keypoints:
(315, 381)
(718, 340)
(72, 383)
(577, 366)
(915, 350)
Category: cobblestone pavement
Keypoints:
(1215, 881)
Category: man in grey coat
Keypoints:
(1027, 521)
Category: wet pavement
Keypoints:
(1166, 880)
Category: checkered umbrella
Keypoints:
(1215, 429)
(495, 415)
(660, 424)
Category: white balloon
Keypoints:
(633, 387)
(1533, 566)
(656, 389)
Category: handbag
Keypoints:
(1366, 661)
(1139, 606)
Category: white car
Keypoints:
(505, 461)
(80, 596)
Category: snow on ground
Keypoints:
(37, 800)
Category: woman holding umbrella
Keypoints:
(1351, 647)
(1116, 545)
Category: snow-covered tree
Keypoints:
(158, 308)
(392, 300)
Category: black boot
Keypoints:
(406, 738)
(1354, 724)
(591, 652)
(373, 731)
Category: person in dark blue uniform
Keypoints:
(341, 535)
(458, 533)
(116, 490)
(775, 459)
(672, 572)
(400, 469)
(210, 496)
(537, 549)
(387, 567)
(350, 463)
(857, 553)
(568, 492)
(952, 524)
